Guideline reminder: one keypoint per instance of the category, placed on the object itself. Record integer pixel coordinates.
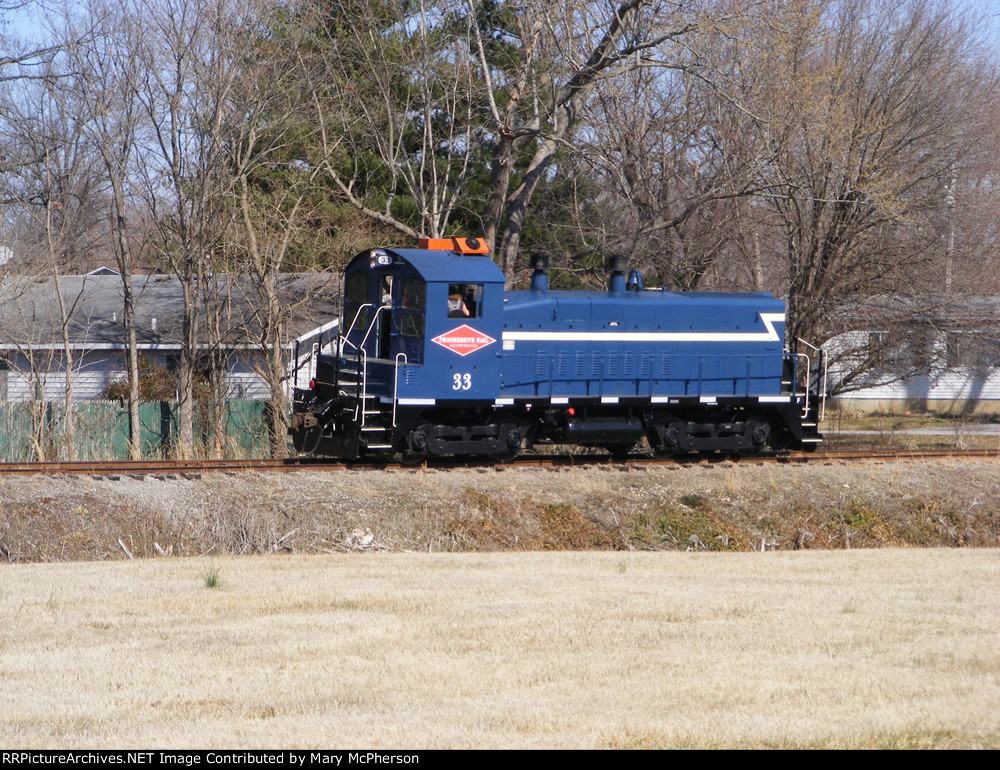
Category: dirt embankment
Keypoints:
(725, 506)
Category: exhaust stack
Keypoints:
(539, 272)
(616, 281)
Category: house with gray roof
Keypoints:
(939, 354)
(36, 328)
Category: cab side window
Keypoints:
(411, 325)
(411, 322)
(465, 300)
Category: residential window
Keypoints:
(956, 350)
(896, 353)
(972, 350)
(876, 347)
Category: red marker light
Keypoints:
(571, 411)
(312, 384)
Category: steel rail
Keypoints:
(139, 468)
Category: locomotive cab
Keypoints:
(429, 308)
(384, 309)
(420, 328)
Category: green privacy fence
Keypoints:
(31, 431)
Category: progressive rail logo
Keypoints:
(463, 340)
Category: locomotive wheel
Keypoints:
(759, 430)
(509, 439)
(419, 440)
(416, 446)
(671, 439)
(782, 439)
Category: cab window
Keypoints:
(414, 294)
(411, 325)
(355, 298)
(356, 289)
(465, 300)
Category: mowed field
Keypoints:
(882, 648)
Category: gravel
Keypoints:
(716, 506)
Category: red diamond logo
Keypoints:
(463, 340)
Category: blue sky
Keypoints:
(25, 22)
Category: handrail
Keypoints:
(395, 385)
(826, 385)
(343, 342)
(298, 364)
(357, 315)
(795, 384)
(371, 326)
(821, 379)
(304, 361)
(363, 355)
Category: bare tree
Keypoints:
(54, 168)
(868, 112)
(184, 86)
(57, 184)
(20, 60)
(273, 195)
(559, 54)
(105, 69)
(672, 159)
(395, 103)
(434, 114)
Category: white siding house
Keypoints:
(944, 358)
(33, 349)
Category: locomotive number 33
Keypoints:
(461, 381)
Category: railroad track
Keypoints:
(194, 468)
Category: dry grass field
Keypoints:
(849, 648)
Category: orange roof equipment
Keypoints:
(466, 246)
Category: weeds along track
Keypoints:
(139, 468)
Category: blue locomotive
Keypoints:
(434, 357)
